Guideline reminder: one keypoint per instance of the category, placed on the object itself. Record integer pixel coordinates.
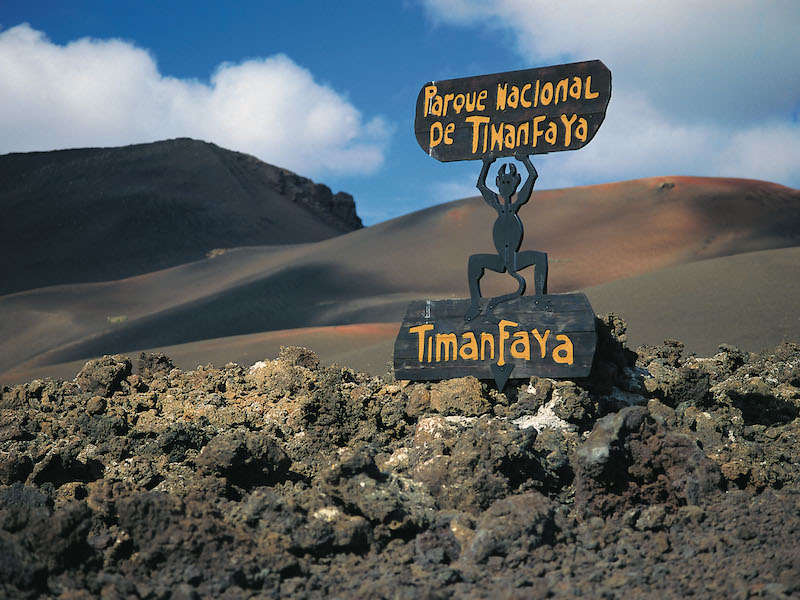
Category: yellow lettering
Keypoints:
(526, 129)
(536, 95)
(448, 131)
(551, 133)
(497, 136)
(589, 95)
(562, 88)
(537, 133)
(542, 340)
(420, 331)
(504, 335)
(509, 139)
(469, 350)
(447, 99)
(563, 352)
(446, 341)
(436, 134)
(436, 106)
(502, 91)
(547, 93)
(525, 103)
(471, 103)
(477, 121)
(458, 103)
(430, 344)
(521, 347)
(513, 97)
(568, 128)
(581, 131)
(575, 88)
(430, 92)
(487, 337)
(482, 96)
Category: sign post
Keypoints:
(519, 113)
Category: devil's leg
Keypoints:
(539, 261)
(478, 263)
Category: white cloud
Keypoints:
(446, 191)
(705, 88)
(109, 92)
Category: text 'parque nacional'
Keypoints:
(533, 111)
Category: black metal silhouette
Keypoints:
(507, 234)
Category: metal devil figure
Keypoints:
(507, 234)
(514, 114)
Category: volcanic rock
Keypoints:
(630, 460)
(661, 476)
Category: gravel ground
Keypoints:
(662, 476)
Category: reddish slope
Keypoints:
(592, 234)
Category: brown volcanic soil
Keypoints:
(98, 214)
(594, 235)
(749, 300)
(661, 477)
(702, 303)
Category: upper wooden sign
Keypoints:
(533, 111)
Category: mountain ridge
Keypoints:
(113, 213)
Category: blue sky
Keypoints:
(327, 89)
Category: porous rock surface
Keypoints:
(662, 476)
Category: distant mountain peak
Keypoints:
(95, 214)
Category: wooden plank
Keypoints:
(550, 336)
(533, 111)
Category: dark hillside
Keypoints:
(97, 214)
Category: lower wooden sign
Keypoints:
(550, 335)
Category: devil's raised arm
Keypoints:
(525, 193)
(488, 195)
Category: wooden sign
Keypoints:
(533, 111)
(544, 335)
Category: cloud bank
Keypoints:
(698, 88)
(109, 92)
